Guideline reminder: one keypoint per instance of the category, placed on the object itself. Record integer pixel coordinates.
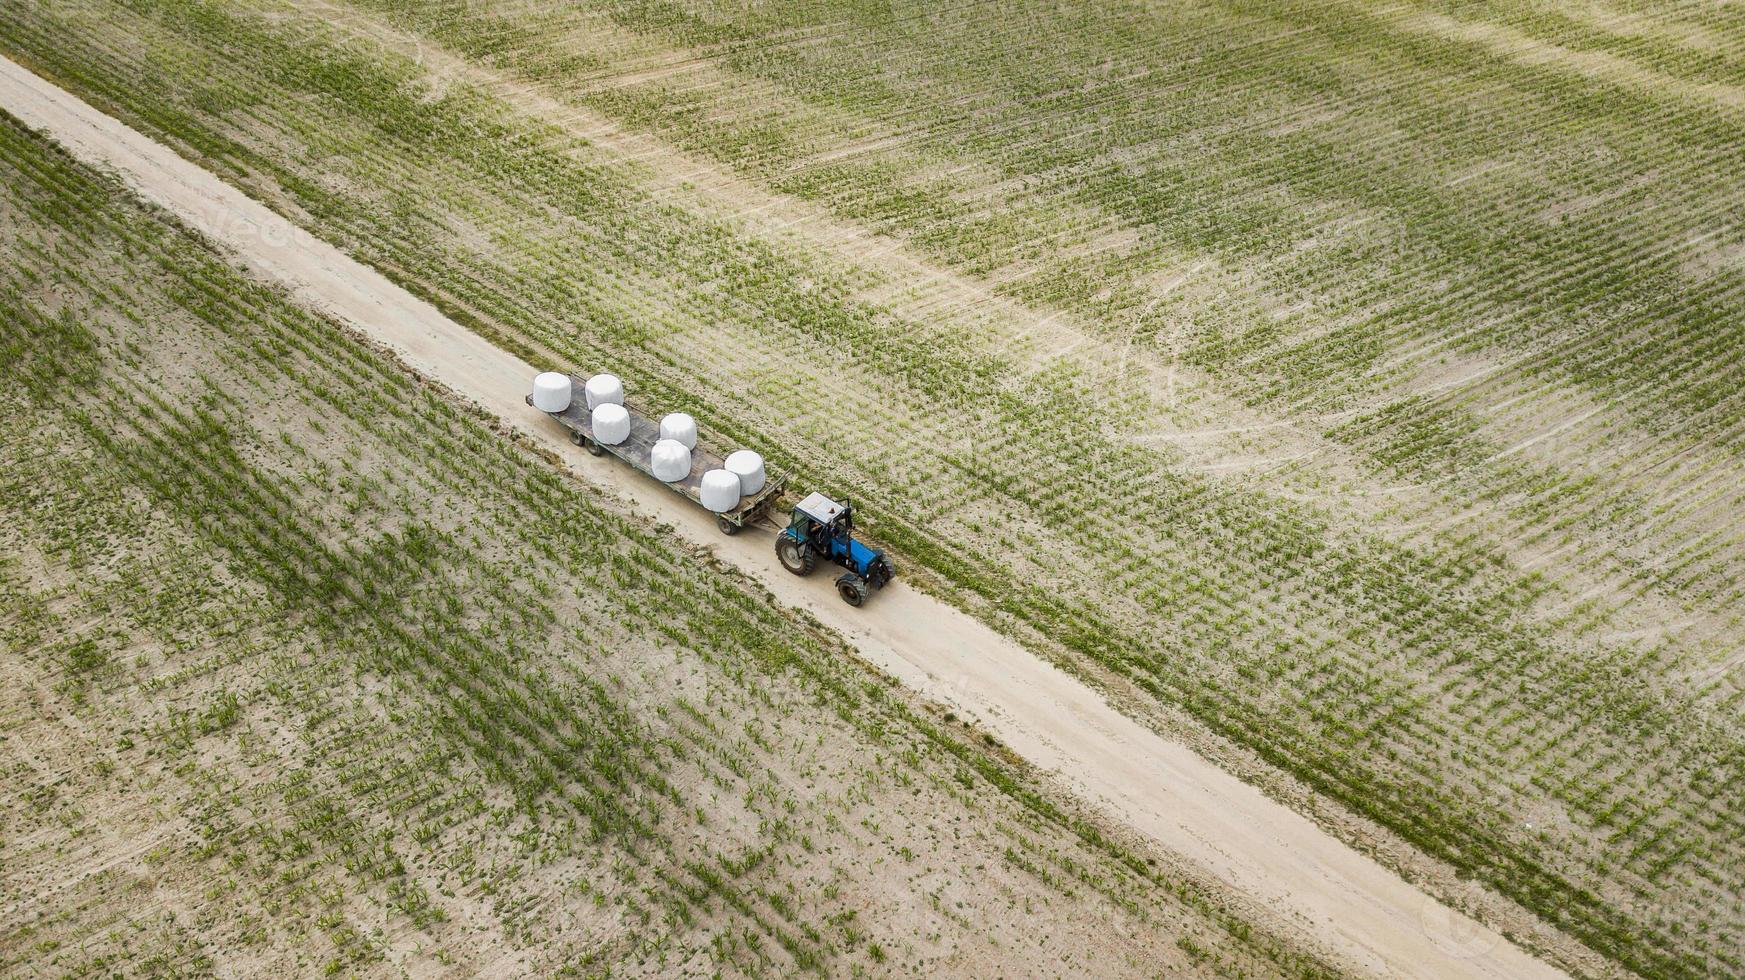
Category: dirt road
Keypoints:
(1338, 899)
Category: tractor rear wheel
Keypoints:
(796, 557)
(852, 588)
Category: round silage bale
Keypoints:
(747, 466)
(720, 491)
(670, 461)
(611, 424)
(551, 392)
(680, 428)
(604, 389)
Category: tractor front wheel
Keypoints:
(852, 588)
(795, 557)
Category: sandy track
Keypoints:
(1338, 899)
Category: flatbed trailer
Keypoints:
(644, 433)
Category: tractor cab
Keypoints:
(822, 528)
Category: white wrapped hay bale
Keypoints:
(611, 424)
(720, 491)
(747, 466)
(670, 460)
(680, 428)
(604, 389)
(551, 392)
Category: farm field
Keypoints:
(310, 669)
(1315, 888)
(1349, 390)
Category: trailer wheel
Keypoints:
(795, 557)
(593, 448)
(727, 527)
(852, 588)
(528, 399)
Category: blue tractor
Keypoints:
(822, 528)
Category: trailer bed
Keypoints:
(644, 433)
